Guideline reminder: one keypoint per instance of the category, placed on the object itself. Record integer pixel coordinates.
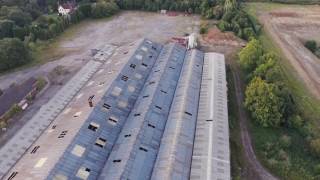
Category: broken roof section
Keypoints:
(87, 154)
(211, 154)
(174, 158)
(136, 149)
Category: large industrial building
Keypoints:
(158, 112)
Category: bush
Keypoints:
(248, 33)
(40, 84)
(317, 169)
(263, 103)
(103, 9)
(296, 121)
(311, 45)
(315, 147)
(15, 109)
(85, 9)
(19, 17)
(6, 27)
(250, 55)
(13, 53)
(20, 32)
(204, 27)
(285, 141)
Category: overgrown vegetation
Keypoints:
(14, 110)
(313, 47)
(285, 138)
(302, 2)
(238, 164)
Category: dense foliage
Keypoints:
(240, 23)
(267, 97)
(313, 47)
(264, 103)
(12, 53)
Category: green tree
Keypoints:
(249, 56)
(13, 53)
(6, 27)
(311, 45)
(19, 17)
(230, 5)
(263, 103)
(315, 146)
(268, 69)
(85, 9)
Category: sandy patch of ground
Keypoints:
(290, 27)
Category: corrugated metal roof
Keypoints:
(134, 154)
(174, 158)
(12, 151)
(109, 114)
(163, 117)
(211, 158)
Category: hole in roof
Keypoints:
(116, 91)
(93, 126)
(131, 88)
(107, 106)
(138, 76)
(150, 125)
(124, 78)
(116, 160)
(143, 149)
(138, 56)
(133, 66)
(113, 120)
(101, 142)
(83, 172)
(122, 104)
(137, 114)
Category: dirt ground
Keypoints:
(290, 27)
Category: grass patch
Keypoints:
(295, 161)
(300, 163)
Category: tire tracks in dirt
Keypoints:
(249, 153)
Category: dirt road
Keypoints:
(250, 156)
